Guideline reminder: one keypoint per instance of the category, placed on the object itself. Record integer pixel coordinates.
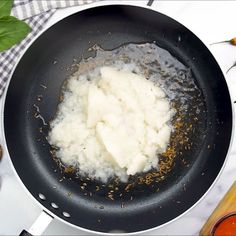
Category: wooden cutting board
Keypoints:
(226, 206)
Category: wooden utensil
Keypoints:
(226, 207)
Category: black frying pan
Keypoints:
(143, 206)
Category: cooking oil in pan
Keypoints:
(176, 79)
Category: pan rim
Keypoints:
(84, 8)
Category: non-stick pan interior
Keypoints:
(35, 90)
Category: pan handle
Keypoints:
(150, 2)
(39, 225)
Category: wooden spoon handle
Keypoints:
(226, 206)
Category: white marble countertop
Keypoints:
(211, 21)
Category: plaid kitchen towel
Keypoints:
(36, 13)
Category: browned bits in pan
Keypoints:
(61, 179)
(110, 194)
(184, 162)
(39, 98)
(43, 86)
(82, 187)
(69, 170)
(129, 186)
